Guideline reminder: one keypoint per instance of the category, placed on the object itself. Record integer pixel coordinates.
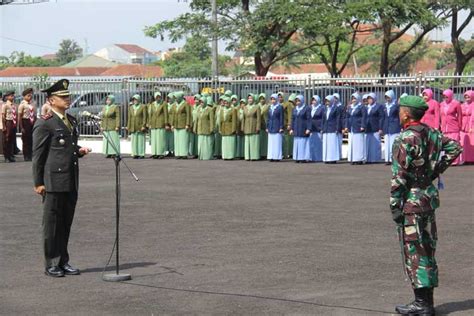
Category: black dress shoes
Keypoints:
(54, 272)
(68, 270)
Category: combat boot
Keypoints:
(420, 306)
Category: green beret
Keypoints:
(413, 101)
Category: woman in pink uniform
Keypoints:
(451, 118)
(467, 128)
(432, 116)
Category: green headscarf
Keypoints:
(111, 97)
(157, 93)
(244, 101)
(228, 93)
(137, 97)
(197, 96)
(210, 101)
(292, 97)
(179, 96)
(262, 95)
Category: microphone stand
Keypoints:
(117, 276)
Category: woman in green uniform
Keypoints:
(251, 125)
(110, 126)
(217, 135)
(170, 133)
(158, 125)
(193, 137)
(136, 126)
(204, 128)
(181, 126)
(228, 129)
(262, 103)
(239, 144)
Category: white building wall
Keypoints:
(114, 53)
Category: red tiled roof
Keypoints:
(134, 70)
(133, 49)
(51, 71)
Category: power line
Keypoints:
(25, 42)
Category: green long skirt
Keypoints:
(287, 145)
(158, 141)
(228, 147)
(181, 142)
(239, 146)
(217, 144)
(107, 148)
(205, 147)
(193, 144)
(252, 147)
(169, 142)
(138, 144)
(263, 143)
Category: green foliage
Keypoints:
(193, 61)
(20, 59)
(68, 51)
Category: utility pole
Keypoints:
(215, 70)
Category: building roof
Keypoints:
(51, 71)
(91, 61)
(133, 49)
(135, 71)
(49, 57)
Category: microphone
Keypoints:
(90, 115)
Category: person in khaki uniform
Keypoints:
(26, 120)
(1, 123)
(251, 124)
(204, 128)
(110, 127)
(136, 126)
(193, 137)
(288, 107)
(264, 106)
(9, 119)
(240, 142)
(181, 126)
(158, 125)
(228, 129)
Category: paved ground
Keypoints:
(234, 238)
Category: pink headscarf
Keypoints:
(449, 94)
(429, 93)
(471, 94)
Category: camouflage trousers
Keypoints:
(419, 246)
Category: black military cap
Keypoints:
(60, 88)
(8, 92)
(27, 91)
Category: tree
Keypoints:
(396, 17)
(193, 61)
(462, 58)
(268, 30)
(68, 51)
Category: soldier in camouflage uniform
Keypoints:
(420, 155)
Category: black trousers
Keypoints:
(9, 140)
(58, 214)
(27, 139)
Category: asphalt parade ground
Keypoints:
(230, 238)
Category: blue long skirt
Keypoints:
(331, 147)
(356, 149)
(275, 146)
(316, 146)
(374, 147)
(388, 144)
(301, 148)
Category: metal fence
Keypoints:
(88, 94)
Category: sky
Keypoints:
(37, 29)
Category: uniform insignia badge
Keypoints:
(65, 84)
(62, 141)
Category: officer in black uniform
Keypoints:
(56, 177)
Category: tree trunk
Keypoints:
(260, 69)
(384, 61)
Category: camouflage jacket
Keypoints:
(419, 155)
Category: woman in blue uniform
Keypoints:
(391, 124)
(373, 129)
(355, 122)
(275, 129)
(315, 137)
(300, 129)
(330, 130)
